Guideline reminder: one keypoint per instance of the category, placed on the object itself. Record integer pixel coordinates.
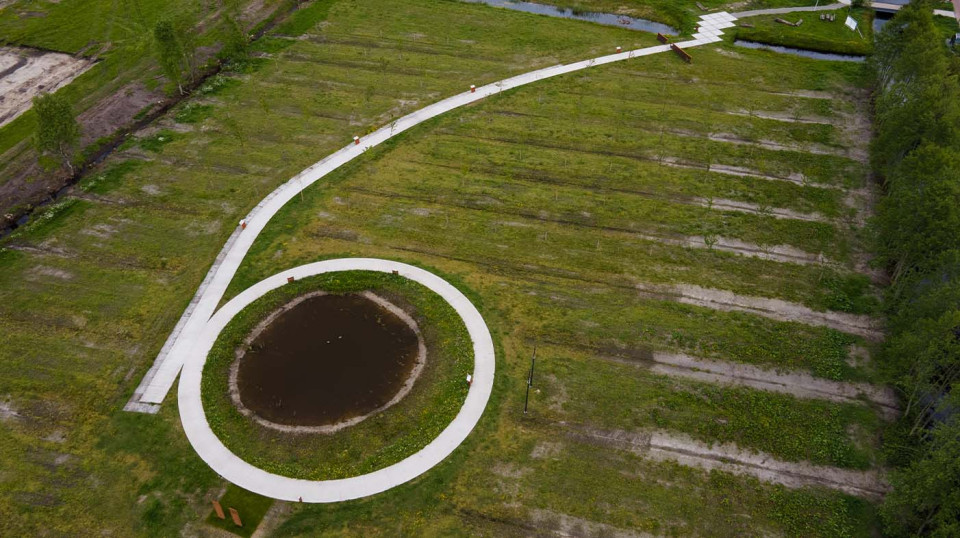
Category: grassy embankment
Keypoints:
(90, 290)
(813, 34)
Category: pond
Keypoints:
(608, 19)
(800, 52)
(324, 359)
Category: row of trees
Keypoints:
(916, 152)
(176, 51)
(176, 47)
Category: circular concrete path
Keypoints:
(245, 475)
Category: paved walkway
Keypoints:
(241, 473)
(162, 375)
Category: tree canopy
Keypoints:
(57, 128)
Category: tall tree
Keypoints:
(235, 39)
(925, 500)
(174, 51)
(57, 128)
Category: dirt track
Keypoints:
(678, 448)
(25, 73)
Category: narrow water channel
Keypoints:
(800, 52)
(608, 19)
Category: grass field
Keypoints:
(556, 207)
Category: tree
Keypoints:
(925, 500)
(234, 40)
(174, 51)
(57, 128)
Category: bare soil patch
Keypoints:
(777, 309)
(678, 448)
(25, 73)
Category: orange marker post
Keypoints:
(218, 509)
(235, 517)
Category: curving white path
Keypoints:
(241, 473)
(160, 378)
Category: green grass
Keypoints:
(120, 35)
(547, 212)
(376, 442)
(813, 34)
(249, 506)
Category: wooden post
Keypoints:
(235, 517)
(290, 280)
(356, 140)
(218, 509)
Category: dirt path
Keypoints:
(801, 385)
(678, 448)
(860, 325)
(722, 204)
(560, 524)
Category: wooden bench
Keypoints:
(681, 53)
(662, 38)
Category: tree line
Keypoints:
(916, 154)
(175, 50)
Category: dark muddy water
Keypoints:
(327, 359)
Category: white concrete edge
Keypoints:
(252, 478)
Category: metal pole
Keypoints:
(526, 400)
(533, 364)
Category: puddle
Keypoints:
(800, 52)
(327, 359)
(607, 19)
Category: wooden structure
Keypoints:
(662, 38)
(235, 517)
(218, 510)
(681, 53)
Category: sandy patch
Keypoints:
(560, 524)
(679, 448)
(778, 309)
(801, 385)
(25, 73)
(52, 272)
(746, 207)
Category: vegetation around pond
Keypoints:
(814, 33)
(378, 441)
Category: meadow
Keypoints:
(582, 215)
